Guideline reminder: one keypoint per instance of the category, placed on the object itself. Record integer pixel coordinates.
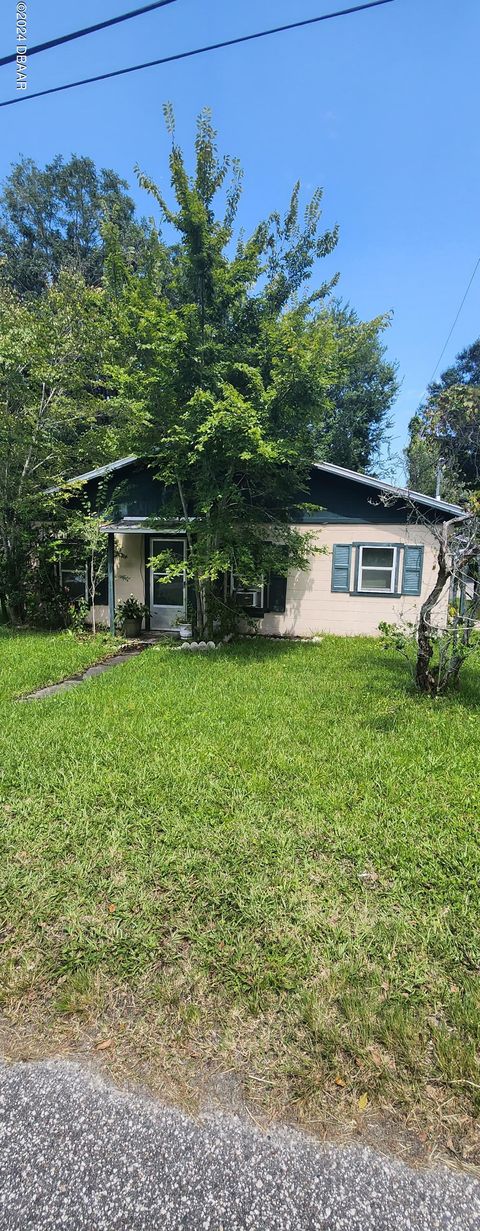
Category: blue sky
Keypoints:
(381, 108)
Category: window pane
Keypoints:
(73, 581)
(173, 546)
(168, 593)
(376, 579)
(101, 592)
(377, 557)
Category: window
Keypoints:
(75, 576)
(377, 567)
(74, 579)
(248, 596)
(168, 593)
(269, 597)
(394, 568)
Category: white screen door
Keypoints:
(168, 599)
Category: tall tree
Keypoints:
(232, 369)
(445, 432)
(54, 416)
(356, 420)
(52, 218)
(443, 641)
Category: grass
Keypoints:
(264, 858)
(31, 660)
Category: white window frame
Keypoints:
(64, 570)
(377, 568)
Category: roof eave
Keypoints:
(443, 506)
(99, 473)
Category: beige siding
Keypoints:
(312, 607)
(129, 567)
(129, 572)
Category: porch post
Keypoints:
(146, 551)
(111, 580)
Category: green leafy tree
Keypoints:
(445, 433)
(230, 367)
(53, 417)
(83, 528)
(52, 218)
(442, 640)
(465, 370)
(356, 420)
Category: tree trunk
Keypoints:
(453, 669)
(426, 676)
(93, 591)
(200, 604)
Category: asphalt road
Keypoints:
(79, 1155)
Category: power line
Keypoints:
(196, 51)
(101, 25)
(442, 352)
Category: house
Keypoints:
(378, 562)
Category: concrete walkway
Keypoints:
(114, 661)
(79, 1155)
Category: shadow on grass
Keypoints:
(262, 648)
(382, 672)
(393, 668)
(380, 669)
(385, 673)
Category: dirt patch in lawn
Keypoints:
(246, 1069)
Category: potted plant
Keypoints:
(184, 627)
(129, 615)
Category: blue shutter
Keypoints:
(412, 570)
(341, 567)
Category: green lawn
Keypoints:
(31, 660)
(265, 857)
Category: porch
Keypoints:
(131, 544)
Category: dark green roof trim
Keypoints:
(390, 488)
(328, 468)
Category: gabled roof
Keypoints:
(341, 472)
(380, 485)
(101, 471)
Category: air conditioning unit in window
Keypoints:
(250, 598)
(246, 597)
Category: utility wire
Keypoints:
(442, 352)
(102, 25)
(196, 51)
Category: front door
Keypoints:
(168, 599)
